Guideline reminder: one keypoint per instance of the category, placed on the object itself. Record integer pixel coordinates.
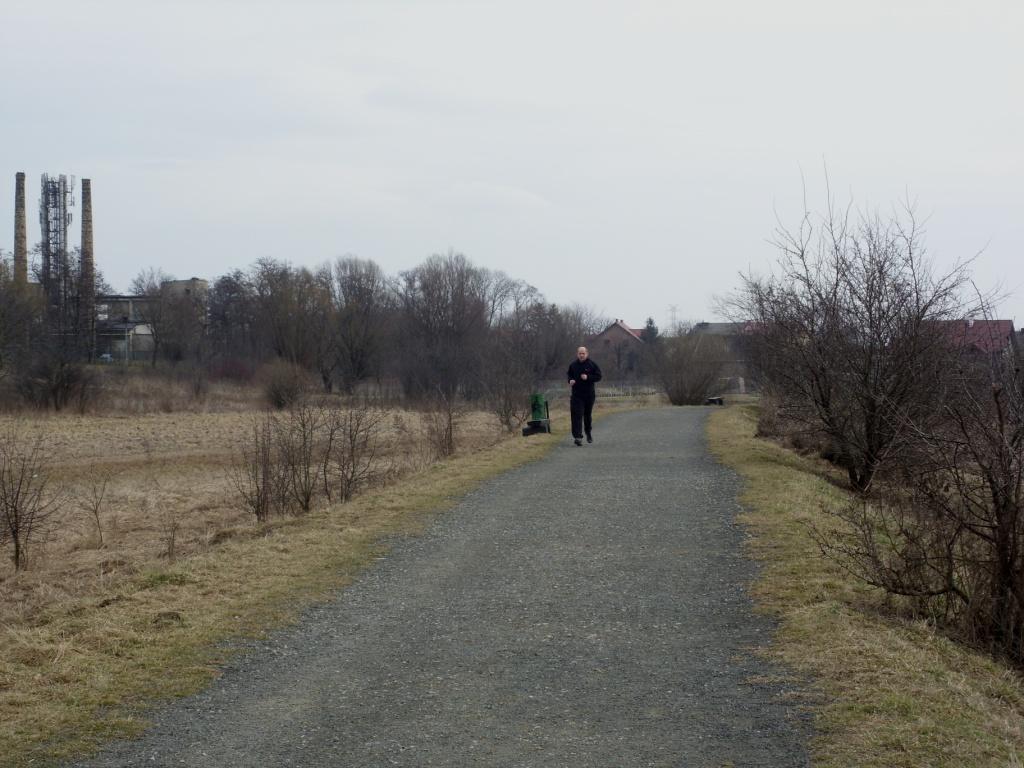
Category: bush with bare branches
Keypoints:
(290, 459)
(93, 502)
(508, 397)
(952, 537)
(283, 384)
(849, 332)
(690, 366)
(27, 500)
(298, 435)
(260, 477)
(442, 423)
(351, 456)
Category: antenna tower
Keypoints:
(55, 202)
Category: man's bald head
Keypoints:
(581, 354)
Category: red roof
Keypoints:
(982, 335)
(632, 331)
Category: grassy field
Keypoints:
(166, 475)
(887, 691)
(91, 637)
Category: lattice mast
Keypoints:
(56, 199)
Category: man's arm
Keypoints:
(596, 375)
(569, 376)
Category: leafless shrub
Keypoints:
(27, 502)
(283, 384)
(93, 502)
(168, 519)
(690, 367)
(298, 436)
(952, 538)
(507, 394)
(286, 460)
(352, 454)
(512, 407)
(54, 382)
(848, 332)
(442, 423)
(260, 477)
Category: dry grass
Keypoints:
(166, 473)
(890, 692)
(90, 637)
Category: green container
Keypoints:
(538, 408)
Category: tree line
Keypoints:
(444, 328)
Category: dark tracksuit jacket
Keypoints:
(581, 402)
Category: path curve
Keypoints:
(585, 610)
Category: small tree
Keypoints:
(26, 500)
(298, 436)
(848, 332)
(154, 312)
(93, 502)
(352, 449)
(259, 476)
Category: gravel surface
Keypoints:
(585, 610)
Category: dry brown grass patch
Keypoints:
(890, 692)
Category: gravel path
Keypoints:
(585, 610)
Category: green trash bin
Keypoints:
(540, 420)
(538, 408)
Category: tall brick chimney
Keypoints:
(87, 275)
(20, 237)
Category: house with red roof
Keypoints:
(617, 349)
(984, 339)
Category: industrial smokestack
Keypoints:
(20, 237)
(88, 265)
(87, 274)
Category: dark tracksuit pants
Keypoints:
(581, 408)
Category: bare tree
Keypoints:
(27, 501)
(152, 312)
(444, 313)
(848, 331)
(233, 324)
(513, 362)
(365, 303)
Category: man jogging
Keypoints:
(583, 374)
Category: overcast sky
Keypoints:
(628, 155)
